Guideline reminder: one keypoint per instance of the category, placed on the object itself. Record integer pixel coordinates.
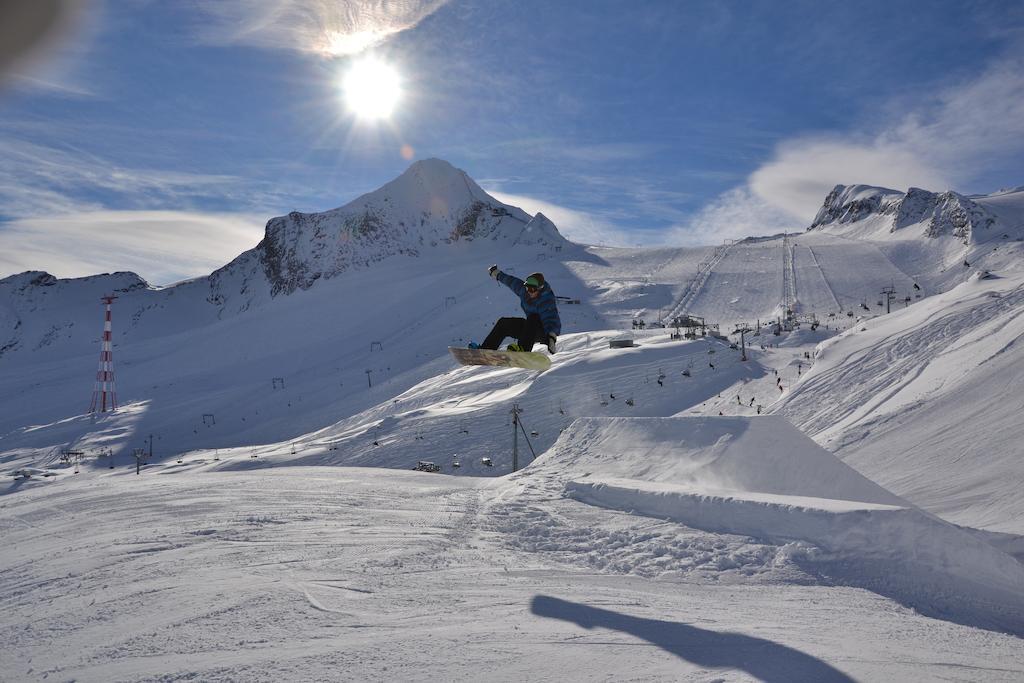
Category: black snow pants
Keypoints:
(527, 331)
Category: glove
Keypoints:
(493, 272)
(551, 343)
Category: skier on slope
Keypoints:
(541, 323)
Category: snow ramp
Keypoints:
(761, 477)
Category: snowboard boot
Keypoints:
(473, 345)
(515, 347)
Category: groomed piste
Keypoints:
(761, 477)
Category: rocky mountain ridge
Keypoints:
(430, 205)
(946, 213)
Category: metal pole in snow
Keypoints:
(515, 437)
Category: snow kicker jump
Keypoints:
(761, 477)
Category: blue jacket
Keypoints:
(544, 305)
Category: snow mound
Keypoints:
(761, 477)
(765, 454)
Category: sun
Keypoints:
(372, 89)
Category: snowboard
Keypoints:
(528, 360)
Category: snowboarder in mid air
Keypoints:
(541, 323)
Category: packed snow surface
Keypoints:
(313, 573)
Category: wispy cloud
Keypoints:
(53, 86)
(546, 148)
(579, 226)
(38, 179)
(161, 246)
(735, 214)
(325, 27)
(940, 143)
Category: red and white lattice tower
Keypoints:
(104, 397)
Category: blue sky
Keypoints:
(160, 136)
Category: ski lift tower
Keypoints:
(692, 323)
(742, 331)
(104, 396)
(889, 293)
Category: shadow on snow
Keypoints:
(762, 659)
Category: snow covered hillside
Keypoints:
(925, 402)
(334, 328)
(868, 409)
(932, 237)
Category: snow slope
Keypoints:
(924, 402)
(934, 238)
(307, 342)
(667, 479)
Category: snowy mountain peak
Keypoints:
(432, 186)
(100, 285)
(541, 229)
(431, 204)
(946, 213)
(851, 203)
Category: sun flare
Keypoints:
(372, 89)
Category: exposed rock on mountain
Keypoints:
(430, 205)
(946, 213)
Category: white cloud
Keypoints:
(578, 226)
(735, 214)
(161, 246)
(325, 27)
(941, 143)
(804, 171)
(44, 180)
(732, 215)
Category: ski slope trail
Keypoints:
(851, 288)
(746, 279)
(705, 269)
(814, 291)
(630, 284)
